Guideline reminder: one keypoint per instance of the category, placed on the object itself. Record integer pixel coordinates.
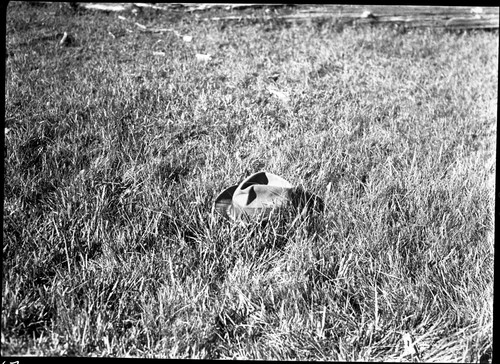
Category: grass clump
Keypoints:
(118, 143)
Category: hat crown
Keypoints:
(258, 195)
(264, 178)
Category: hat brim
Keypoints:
(224, 202)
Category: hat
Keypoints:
(262, 193)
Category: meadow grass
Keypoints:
(118, 142)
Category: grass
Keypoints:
(118, 143)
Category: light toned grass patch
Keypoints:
(115, 154)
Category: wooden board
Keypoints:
(452, 17)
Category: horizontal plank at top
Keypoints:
(400, 10)
(412, 16)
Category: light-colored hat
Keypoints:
(262, 193)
